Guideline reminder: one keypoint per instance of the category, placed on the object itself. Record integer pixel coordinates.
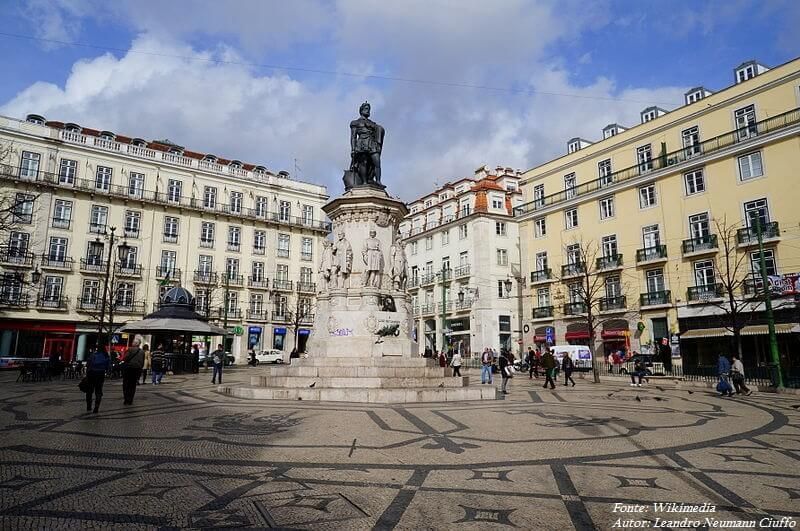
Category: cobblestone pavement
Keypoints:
(184, 456)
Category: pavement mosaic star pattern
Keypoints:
(186, 457)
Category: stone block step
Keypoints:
(353, 383)
(319, 371)
(364, 361)
(361, 395)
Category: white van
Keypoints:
(580, 354)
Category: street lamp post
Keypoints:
(123, 251)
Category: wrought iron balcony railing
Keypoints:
(700, 244)
(655, 298)
(651, 254)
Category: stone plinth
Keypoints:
(350, 356)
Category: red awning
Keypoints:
(614, 334)
(539, 339)
(580, 334)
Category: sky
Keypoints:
(456, 83)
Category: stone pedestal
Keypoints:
(361, 349)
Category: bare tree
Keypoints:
(300, 314)
(595, 291)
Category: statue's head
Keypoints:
(372, 233)
(340, 234)
(326, 243)
(364, 110)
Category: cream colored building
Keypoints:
(215, 226)
(462, 248)
(651, 199)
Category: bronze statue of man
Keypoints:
(366, 144)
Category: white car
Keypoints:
(269, 356)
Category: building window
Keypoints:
(571, 218)
(23, 208)
(695, 182)
(573, 254)
(649, 115)
(98, 219)
(136, 185)
(769, 263)
(306, 249)
(306, 275)
(233, 302)
(497, 202)
(90, 293)
(125, 295)
(570, 182)
(575, 292)
(205, 264)
(446, 263)
(169, 261)
(174, 191)
(94, 253)
(757, 209)
(102, 178)
(133, 223)
(604, 172)
(18, 243)
(428, 243)
(462, 232)
(259, 241)
(261, 206)
(607, 207)
(501, 289)
(613, 287)
(644, 157)
(691, 141)
(171, 226)
(236, 202)
(283, 246)
(285, 211)
(746, 122)
(538, 195)
(647, 195)
(58, 250)
(414, 248)
(463, 259)
(572, 147)
(609, 246)
(540, 227)
(209, 197)
(543, 297)
(131, 259)
(257, 272)
(29, 165)
(207, 234)
(750, 166)
(655, 280)
(67, 171)
(445, 237)
(256, 303)
(308, 215)
(62, 214)
(541, 261)
(502, 257)
(282, 272)
(234, 238)
(703, 273)
(746, 73)
(500, 228)
(699, 227)
(231, 268)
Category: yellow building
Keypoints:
(241, 238)
(654, 228)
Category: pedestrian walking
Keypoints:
(99, 365)
(568, 366)
(147, 362)
(442, 359)
(218, 360)
(723, 370)
(131, 370)
(549, 365)
(486, 366)
(638, 372)
(157, 364)
(455, 363)
(737, 377)
(505, 363)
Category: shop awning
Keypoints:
(539, 339)
(614, 334)
(580, 334)
(762, 330)
(706, 332)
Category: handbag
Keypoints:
(83, 385)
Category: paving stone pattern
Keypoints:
(185, 456)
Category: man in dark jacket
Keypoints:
(567, 366)
(217, 360)
(505, 370)
(132, 371)
(549, 365)
(98, 366)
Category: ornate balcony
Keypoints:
(613, 261)
(542, 275)
(749, 236)
(649, 255)
(655, 298)
(608, 304)
(574, 308)
(163, 272)
(257, 282)
(14, 257)
(204, 277)
(128, 270)
(573, 270)
(14, 300)
(280, 317)
(233, 280)
(542, 312)
(282, 285)
(258, 315)
(704, 293)
(700, 245)
(306, 287)
(60, 263)
(48, 302)
(124, 307)
(462, 271)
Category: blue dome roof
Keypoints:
(178, 295)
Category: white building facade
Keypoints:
(242, 239)
(462, 246)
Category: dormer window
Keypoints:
(138, 142)
(749, 70)
(210, 158)
(235, 164)
(176, 150)
(573, 146)
(35, 119)
(72, 128)
(107, 135)
(260, 170)
(428, 203)
(651, 113)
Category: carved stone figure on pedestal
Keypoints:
(342, 260)
(366, 145)
(372, 255)
(325, 267)
(399, 264)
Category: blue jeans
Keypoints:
(156, 376)
(486, 373)
(217, 371)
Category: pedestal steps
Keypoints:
(360, 372)
(374, 396)
(356, 382)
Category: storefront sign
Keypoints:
(550, 335)
(788, 284)
(280, 331)
(303, 332)
(254, 330)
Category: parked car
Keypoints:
(269, 356)
(207, 361)
(580, 354)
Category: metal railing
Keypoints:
(749, 235)
(541, 275)
(13, 256)
(542, 312)
(613, 303)
(462, 271)
(257, 283)
(128, 270)
(64, 263)
(129, 307)
(280, 284)
(258, 315)
(710, 146)
(170, 238)
(574, 308)
(94, 264)
(280, 317)
(654, 298)
(573, 270)
(205, 277)
(232, 280)
(609, 262)
(700, 244)
(18, 301)
(306, 287)
(704, 292)
(49, 302)
(428, 308)
(651, 254)
(173, 272)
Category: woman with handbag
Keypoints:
(505, 370)
(92, 383)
